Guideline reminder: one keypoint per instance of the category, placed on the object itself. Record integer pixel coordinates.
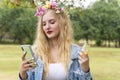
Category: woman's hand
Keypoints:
(84, 61)
(24, 67)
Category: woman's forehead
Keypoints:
(49, 15)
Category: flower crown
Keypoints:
(49, 5)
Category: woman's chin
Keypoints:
(51, 37)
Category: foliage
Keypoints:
(100, 22)
(18, 23)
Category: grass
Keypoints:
(9, 61)
(104, 62)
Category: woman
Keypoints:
(57, 57)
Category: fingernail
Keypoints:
(24, 52)
(32, 58)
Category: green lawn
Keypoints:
(9, 61)
(104, 62)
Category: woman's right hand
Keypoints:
(24, 67)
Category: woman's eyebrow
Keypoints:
(49, 20)
(52, 19)
(43, 21)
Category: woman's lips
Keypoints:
(49, 32)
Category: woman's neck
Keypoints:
(54, 53)
(54, 43)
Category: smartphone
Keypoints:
(29, 55)
(84, 46)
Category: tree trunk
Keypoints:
(109, 43)
(86, 38)
(105, 43)
(119, 42)
(116, 44)
(0, 38)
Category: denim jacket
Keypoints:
(74, 70)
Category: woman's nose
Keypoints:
(47, 26)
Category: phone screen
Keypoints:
(28, 50)
(29, 55)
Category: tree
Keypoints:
(18, 23)
(109, 21)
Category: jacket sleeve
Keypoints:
(87, 75)
(30, 74)
(37, 73)
(75, 71)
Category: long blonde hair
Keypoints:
(65, 39)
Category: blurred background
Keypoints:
(95, 21)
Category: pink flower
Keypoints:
(40, 11)
(60, 9)
(49, 5)
(53, 4)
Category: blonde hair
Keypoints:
(65, 39)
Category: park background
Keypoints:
(98, 25)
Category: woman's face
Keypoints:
(50, 25)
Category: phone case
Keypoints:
(29, 55)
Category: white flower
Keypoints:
(78, 3)
(52, 0)
(68, 2)
(37, 2)
(57, 11)
(61, 0)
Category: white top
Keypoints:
(56, 71)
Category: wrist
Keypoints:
(23, 75)
(86, 70)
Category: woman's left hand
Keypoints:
(84, 61)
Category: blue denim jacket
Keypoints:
(74, 70)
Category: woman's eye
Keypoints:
(52, 22)
(44, 24)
